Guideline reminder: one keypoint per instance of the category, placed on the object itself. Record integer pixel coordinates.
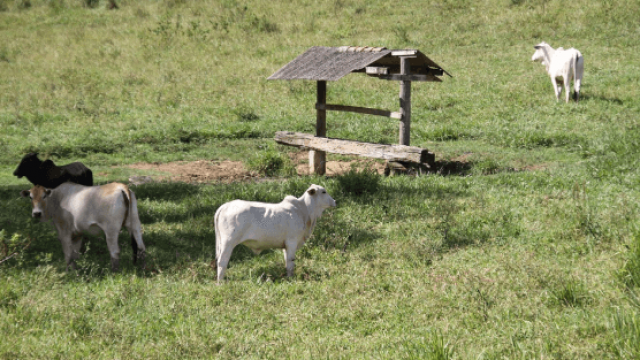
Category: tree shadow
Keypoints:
(149, 215)
(162, 191)
(331, 235)
(366, 187)
(170, 247)
(10, 192)
(176, 250)
(159, 200)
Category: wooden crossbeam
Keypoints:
(411, 77)
(360, 110)
(351, 147)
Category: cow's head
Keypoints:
(540, 54)
(27, 165)
(38, 195)
(319, 197)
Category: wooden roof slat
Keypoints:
(332, 63)
(326, 63)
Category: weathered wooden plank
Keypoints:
(360, 110)
(412, 77)
(352, 147)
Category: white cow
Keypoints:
(260, 226)
(75, 209)
(561, 63)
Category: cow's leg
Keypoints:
(290, 256)
(114, 249)
(138, 254)
(557, 88)
(223, 260)
(137, 245)
(76, 247)
(567, 88)
(68, 249)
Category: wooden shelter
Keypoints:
(324, 64)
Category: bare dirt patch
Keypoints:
(334, 168)
(201, 171)
(206, 171)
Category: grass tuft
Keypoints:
(570, 294)
(432, 348)
(630, 272)
(625, 343)
(270, 162)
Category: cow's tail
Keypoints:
(577, 75)
(126, 195)
(132, 222)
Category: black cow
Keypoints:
(47, 174)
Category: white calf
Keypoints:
(75, 209)
(561, 63)
(260, 226)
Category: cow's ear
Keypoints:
(25, 193)
(311, 191)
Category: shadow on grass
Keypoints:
(149, 215)
(182, 202)
(614, 100)
(195, 206)
(173, 250)
(173, 191)
(179, 249)
(12, 192)
(337, 238)
(38, 242)
(467, 168)
(450, 168)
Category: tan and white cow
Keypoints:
(260, 226)
(76, 209)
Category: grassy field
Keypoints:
(532, 251)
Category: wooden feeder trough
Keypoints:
(324, 64)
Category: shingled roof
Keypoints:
(332, 63)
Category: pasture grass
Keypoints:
(524, 243)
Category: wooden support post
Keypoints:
(405, 103)
(318, 159)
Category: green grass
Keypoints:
(524, 243)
